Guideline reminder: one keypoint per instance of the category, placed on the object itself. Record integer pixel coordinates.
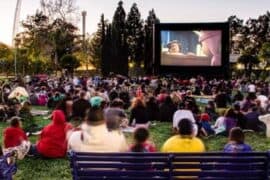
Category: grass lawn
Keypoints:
(37, 168)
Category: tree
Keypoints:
(65, 10)
(35, 37)
(63, 39)
(96, 43)
(69, 62)
(5, 51)
(106, 52)
(254, 32)
(119, 45)
(264, 54)
(249, 61)
(148, 57)
(236, 30)
(135, 36)
(6, 58)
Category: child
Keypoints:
(14, 135)
(205, 125)
(15, 139)
(236, 141)
(142, 144)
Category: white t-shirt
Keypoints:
(182, 114)
(263, 99)
(251, 88)
(97, 139)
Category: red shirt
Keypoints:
(147, 147)
(53, 142)
(13, 136)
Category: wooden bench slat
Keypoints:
(122, 165)
(117, 172)
(220, 166)
(125, 178)
(224, 173)
(219, 159)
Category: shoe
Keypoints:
(23, 149)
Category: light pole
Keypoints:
(15, 61)
(84, 13)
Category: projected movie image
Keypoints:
(191, 48)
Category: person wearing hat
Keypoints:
(94, 135)
(174, 47)
(205, 126)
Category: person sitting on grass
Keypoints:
(185, 140)
(52, 142)
(142, 144)
(115, 115)
(94, 135)
(114, 118)
(138, 113)
(205, 126)
(15, 139)
(14, 134)
(27, 118)
(237, 142)
(230, 120)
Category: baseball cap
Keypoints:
(205, 117)
(96, 101)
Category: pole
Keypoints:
(83, 31)
(15, 61)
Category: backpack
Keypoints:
(7, 169)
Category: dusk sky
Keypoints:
(167, 10)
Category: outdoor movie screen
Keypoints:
(191, 48)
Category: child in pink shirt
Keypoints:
(142, 144)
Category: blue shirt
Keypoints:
(230, 147)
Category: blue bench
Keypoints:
(144, 166)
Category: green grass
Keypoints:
(37, 168)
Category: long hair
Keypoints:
(230, 113)
(137, 102)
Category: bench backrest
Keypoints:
(212, 165)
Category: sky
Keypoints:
(173, 11)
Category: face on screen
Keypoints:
(191, 48)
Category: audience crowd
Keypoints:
(102, 109)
